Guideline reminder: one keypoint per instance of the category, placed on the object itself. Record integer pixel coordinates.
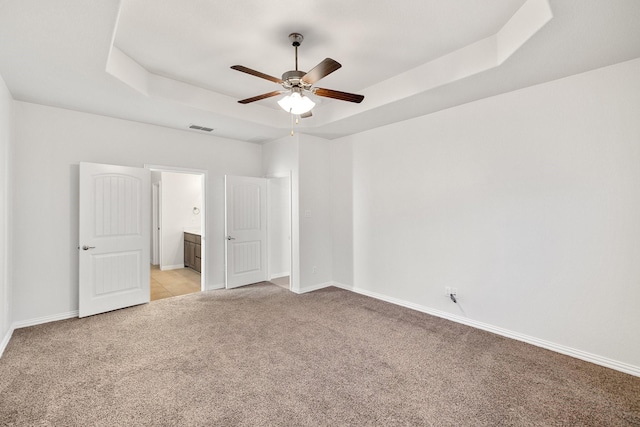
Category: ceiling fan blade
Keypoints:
(259, 97)
(321, 70)
(305, 115)
(256, 73)
(336, 94)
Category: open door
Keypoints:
(114, 237)
(246, 230)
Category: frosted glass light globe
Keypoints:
(296, 103)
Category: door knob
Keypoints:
(231, 238)
(86, 248)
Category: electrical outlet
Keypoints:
(314, 270)
(454, 295)
(448, 291)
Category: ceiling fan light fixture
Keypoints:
(297, 82)
(296, 103)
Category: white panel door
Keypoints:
(114, 237)
(246, 230)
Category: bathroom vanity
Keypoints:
(192, 250)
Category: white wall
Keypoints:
(48, 144)
(279, 227)
(315, 212)
(181, 192)
(6, 128)
(528, 203)
(342, 212)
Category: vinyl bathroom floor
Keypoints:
(171, 283)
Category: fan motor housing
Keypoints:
(293, 78)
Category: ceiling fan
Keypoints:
(298, 83)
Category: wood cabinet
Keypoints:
(192, 251)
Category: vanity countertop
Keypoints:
(193, 230)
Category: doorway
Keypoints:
(258, 230)
(178, 217)
(279, 230)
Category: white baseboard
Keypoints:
(558, 348)
(279, 275)
(171, 267)
(45, 319)
(313, 288)
(33, 322)
(5, 340)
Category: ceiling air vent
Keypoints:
(202, 128)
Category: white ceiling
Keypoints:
(56, 52)
(198, 41)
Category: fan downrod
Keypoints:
(296, 40)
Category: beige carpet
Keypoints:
(263, 356)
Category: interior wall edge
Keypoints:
(7, 135)
(558, 348)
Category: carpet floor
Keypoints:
(263, 356)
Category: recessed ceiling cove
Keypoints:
(197, 42)
(174, 56)
(169, 63)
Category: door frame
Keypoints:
(156, 220)
(203, 211)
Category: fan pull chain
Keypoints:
(297, 120)
(291, 114)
